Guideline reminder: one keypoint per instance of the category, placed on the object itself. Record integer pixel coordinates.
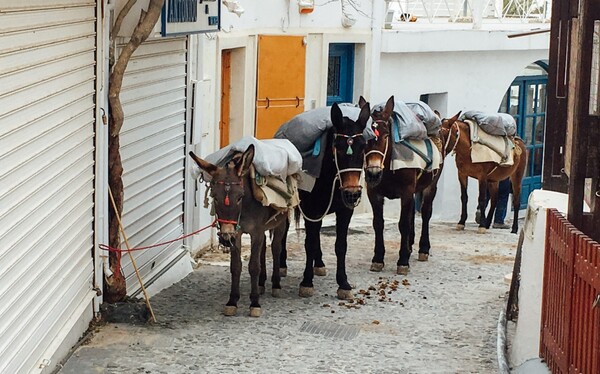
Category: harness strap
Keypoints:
(428, 160)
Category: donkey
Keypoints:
(488, 174)
(237, 212)
(383, 182)
(336, 190)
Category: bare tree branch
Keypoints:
(119, 21)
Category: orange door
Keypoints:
(280, 82)
(225, 96)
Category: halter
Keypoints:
(448, 140)
(350, 140)
(227, 186)
(384, 153)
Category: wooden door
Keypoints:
(225, 97)
(280, 82)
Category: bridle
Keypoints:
(448, 140)
(377, 151)
(227, 202)
(350, 141)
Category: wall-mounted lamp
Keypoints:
(306, 6)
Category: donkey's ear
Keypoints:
(450, 121)
(246, 161)
(361, 101)
(204, 165)
(389, 105)
(437, 113)
(337, 118)
(365, 114)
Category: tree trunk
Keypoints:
(115, 287)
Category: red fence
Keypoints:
(570, 336)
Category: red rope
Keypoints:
(112, 249)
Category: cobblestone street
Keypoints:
(441, 318)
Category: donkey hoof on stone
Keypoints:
(423, 256)
(283, 272)
(402, 270)
(276, 292)
(460, 227)
(321, 271)
(255, 312)
(306, 291)
(230, 310)
(344, 294)
(481, 230)
(377, 266)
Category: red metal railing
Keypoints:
(570, 336)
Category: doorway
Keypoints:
(525, 100)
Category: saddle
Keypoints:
(272, 191)
(485, 147)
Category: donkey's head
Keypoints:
(378, 147)
(227, 191)
(349, 152)
(450, 132)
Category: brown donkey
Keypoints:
(237, 212)
(458, 139)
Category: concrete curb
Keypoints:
(503, 366)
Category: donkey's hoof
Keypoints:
(276, 292)
(261, 290)
(306, 291)
(376, 266)
(402, 270)
(481, 230)
(344, 294)
(230, 310)
(321, 271)
(460, 227)
(283, 272)
(423, 256)
(255, 312)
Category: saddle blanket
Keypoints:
(426, 157)
(490, 148)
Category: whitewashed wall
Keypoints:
(472, 68)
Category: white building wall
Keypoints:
(475, 77)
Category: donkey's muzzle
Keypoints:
(373, 175)
(226, 239)
(351, 197)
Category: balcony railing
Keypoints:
(525, 11)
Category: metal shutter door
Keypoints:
(47, 80)
(153, 153)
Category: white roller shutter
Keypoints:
(153, 141)
(47, 85)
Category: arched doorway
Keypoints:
(525, 100)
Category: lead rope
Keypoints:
(328, 205)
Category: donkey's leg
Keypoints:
(342, 221)
(279, 233)
(283, 253)
(481, 204)
(256, 251)
(411, 239)
(464, 198)
(376, 200)
(493, 191)
(407, 202)
(312, 241)
(262, 278)
(426, 211)
(235, 267)
(516, 180)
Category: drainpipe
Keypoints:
(101, 266)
